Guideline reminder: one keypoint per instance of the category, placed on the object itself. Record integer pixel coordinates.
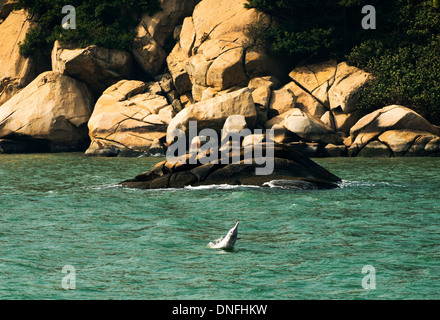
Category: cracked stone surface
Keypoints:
(98, 67)
(214, 42)
(53, 108)
(129, 117)
(16, 71)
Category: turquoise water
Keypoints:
(64, 209)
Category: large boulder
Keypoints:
(52, 110)
(409, 142)
(282, 100)
(329, 91)
(390, 118)
(16, 71)
(98, 67)
(291, 169)
(128, 119)
(215, 43)
(214, 112)
(153, 31)
(310, 128)
(348, 83)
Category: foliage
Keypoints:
(107, 23)
(403, 53)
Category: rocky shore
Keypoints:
(110, 102)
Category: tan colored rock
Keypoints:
(149, 55)
(187, 36)
(98, 67)
(432, 147)
(389, 118)
(214, 112)
(374, 149)
(262, 96)
(392, 118)
(282, 100)
(332, 150)
(312, 76)
(236, 122)
(307, 102)
(153, 31)
(348, 82)
(177, 66)
(197, 67)
(227, 70)
(259, 64)
(329, 120)
(128, 118)
(310, 128)
(344, 122)
(209, 93)
(406, 142)
(16, 71)
(268, 81)
(278, 120)
(282, 135)
(214, 40)
(53, 109)
(197, 92)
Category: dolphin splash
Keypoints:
(227, 243)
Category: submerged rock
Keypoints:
(288, 165)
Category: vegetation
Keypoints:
(403, 53)
(107, 23)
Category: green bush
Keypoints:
(402, 53)
(108, 23)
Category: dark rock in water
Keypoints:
(289, 166)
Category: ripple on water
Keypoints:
(152, 244)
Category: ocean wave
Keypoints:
(354, 184)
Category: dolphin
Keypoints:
(227, 243)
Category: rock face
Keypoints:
(98, 67)
(291, 170)
(395, 126)
(16, 71)
(310, 128)
(52, 111)
(330, 90)
(214, 112)
(128, 119)
(153, 31)
(213, 43)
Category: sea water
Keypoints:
(60, 210)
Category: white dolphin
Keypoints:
(227, 243)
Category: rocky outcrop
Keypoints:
(395, 126)
(153, 31)
(98, 67)
(330, 90)
(290, 170)
(214, 112)
(310, 128)
(16, 71)
(128, 119)
(214, 44)
(52, 112)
